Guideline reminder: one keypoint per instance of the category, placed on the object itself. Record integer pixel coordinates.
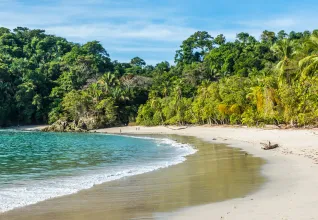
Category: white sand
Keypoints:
(29, 127)
(292, 170)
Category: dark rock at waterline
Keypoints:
(65, 126)
(88, 123)
(83, 124)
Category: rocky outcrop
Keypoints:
(65, 126)
(88, 123)
(83, 124)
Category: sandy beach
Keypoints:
(214, 173)
(291, 192)
(291, 171)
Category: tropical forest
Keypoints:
(253, 81)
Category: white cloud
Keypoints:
(75, 12)
(124, 28)
(275, 23)
(298, 21)
(131, 30)
(28, 20)
(135, 26)
(280, 23)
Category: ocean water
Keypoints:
(36, 166)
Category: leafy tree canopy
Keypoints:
(273, 80)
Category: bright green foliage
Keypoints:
(272, 81)
(88, 104)
(194, 48)
(44, 78)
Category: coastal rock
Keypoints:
(82, 125)
(58, 126)
(87, 123)
(64, 126)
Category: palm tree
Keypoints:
(108, 81)
(204, 88)
(285, 50)
(309, 64)
(177, 90)
(256, 96)
(119, 95)
(95, 91)
(157, 106)
(165, 88)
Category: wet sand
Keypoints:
(215, 173)
(291, 190)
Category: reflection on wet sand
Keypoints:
(214, 173)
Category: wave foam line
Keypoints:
(15, 197)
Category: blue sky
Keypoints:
(154, 29)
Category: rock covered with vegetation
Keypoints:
(82, 125)
(60, 126)
(47, 79)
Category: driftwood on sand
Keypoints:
(269, 146)
(180, 128)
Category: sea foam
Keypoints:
(41, 190)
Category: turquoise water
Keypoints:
(36, 166)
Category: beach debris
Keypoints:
(180, 128)
(269, 146)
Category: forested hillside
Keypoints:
(270, 80)
(44, 78)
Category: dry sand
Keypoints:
(292, 170)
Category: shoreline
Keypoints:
(215, 173)
(291, 169)
(27, 127)
(17, 197)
